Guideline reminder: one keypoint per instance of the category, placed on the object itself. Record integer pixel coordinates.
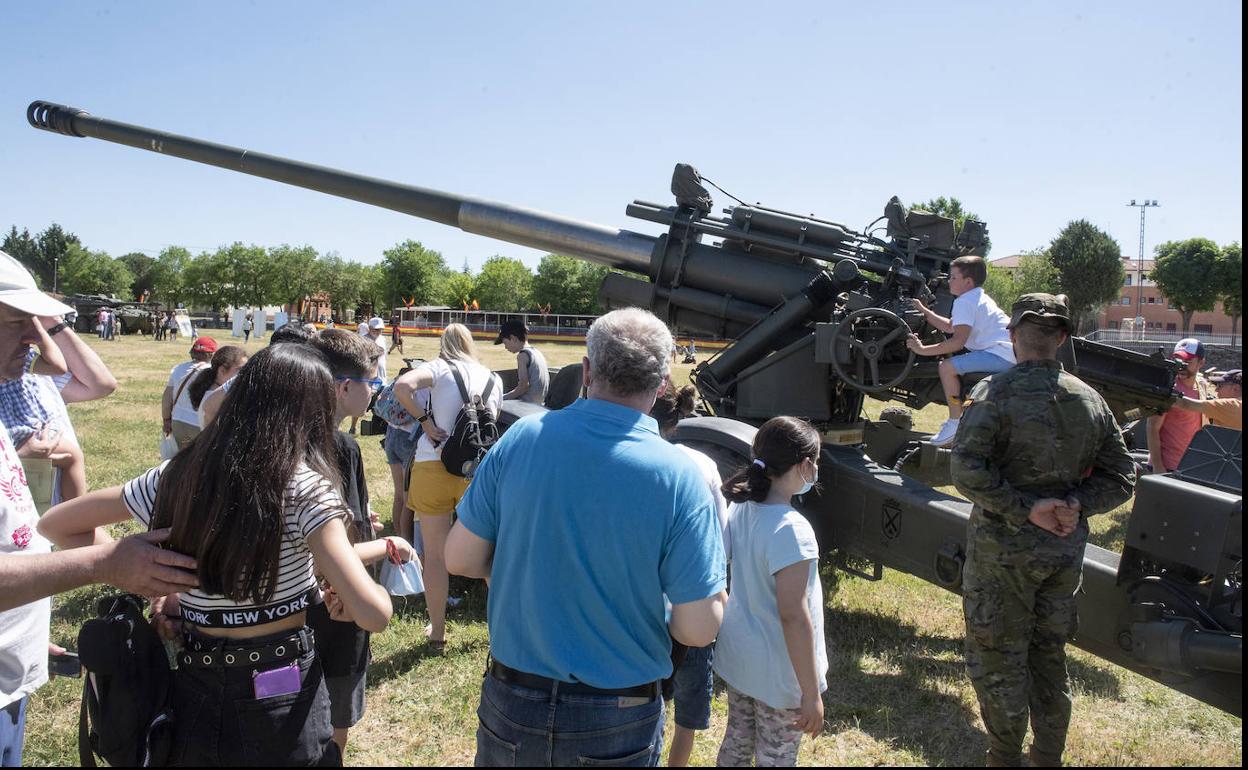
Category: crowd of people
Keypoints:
(606, 548)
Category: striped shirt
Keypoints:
(310, 502)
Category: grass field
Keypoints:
(898, 692)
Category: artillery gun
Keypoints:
(818, 314)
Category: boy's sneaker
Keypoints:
(947, 433)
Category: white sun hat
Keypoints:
(18, 290)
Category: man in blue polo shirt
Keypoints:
(585, 518)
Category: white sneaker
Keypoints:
(947, 433)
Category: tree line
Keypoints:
(1085, 264)
(243, 275)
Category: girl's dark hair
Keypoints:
(225, 495)
(226, 357)
(673, 406)
(781, 443)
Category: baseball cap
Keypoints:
(1047, 309)
(376, 323)
(512, 328)
(1188, 348)
(18, 290)
(204, 345)
(1233, 377)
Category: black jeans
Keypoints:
(219, 721)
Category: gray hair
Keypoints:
(630, 349)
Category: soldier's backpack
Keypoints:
(475, 430)
(126, 717)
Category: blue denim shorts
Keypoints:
(980, 361)
(694, 686)
(400, 445)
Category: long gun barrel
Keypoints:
(605, 245)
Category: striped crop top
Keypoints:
(310, 502)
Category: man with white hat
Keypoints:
(29, 572)
(1169, 434)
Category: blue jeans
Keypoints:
(520, 727)
(695, 689)
(12, 732)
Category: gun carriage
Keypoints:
(818, 314)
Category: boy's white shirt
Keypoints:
(987, 321)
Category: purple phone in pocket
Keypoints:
(279, 681)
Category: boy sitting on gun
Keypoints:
(977, 325)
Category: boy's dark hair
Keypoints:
(972, 267)
(781, 443)
(348, 354)
(289, 332)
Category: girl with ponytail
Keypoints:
(771, 650)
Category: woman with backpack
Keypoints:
(254, 499)
(433, 491)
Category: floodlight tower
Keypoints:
(1143, 206)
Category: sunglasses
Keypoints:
(374, 383)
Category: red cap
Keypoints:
(204, 345)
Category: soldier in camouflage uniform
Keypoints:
(1037, 452)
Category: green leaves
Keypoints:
(1089, 265)
(1187, 273)
(504, 284)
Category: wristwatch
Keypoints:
(423, 417)
(55, 330)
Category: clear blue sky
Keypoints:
(1032, 114)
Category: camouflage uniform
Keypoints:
(758, 734)
(1029, 433)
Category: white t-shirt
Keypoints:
(24, 629)
(710, 472)
(446, 403)
(311, 501)
(182, 409)
(751, 654)
(384, 344)
(987, 321)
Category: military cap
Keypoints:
(1047, 309)
(1233, 377)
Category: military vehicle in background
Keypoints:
(819, 314)
(133, 317)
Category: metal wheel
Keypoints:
(869, 333)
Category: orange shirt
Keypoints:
(1179, 427)
(1227, 412)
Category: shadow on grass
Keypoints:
(885, 678)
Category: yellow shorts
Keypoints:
(431, 491)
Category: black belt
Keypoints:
(508, 675)
(203, 652)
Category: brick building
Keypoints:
(1158, 317)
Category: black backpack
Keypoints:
(474, 433)
(126, 717)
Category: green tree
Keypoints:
(93, 272)
(1000, 286)
(505, 285)
(292, 274)
(567, 284)
(142, 267)
(375, 290)
(42, 255)
(335, 277)
(1231, 284)
(202, 284)
(412, 272)
(169, 283)
(1187, 273)
(953, 209)
(1089, 267)
(244, 274)
(456, 290)
(1035, 273)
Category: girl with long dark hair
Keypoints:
(771, 651)
(225, 364)
(254, 499)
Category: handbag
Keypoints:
(168, 447)
(401, 578)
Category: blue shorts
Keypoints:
(693, 690)
(400, 445)
(980, 361)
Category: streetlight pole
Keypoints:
(1143, 206)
